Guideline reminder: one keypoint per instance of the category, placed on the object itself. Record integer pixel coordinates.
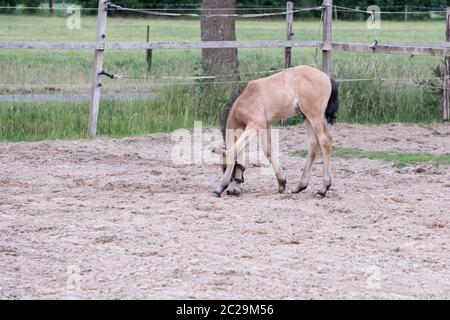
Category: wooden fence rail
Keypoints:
(327, 46)
(408, 48)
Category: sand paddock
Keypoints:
(117, 219)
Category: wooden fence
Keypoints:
(327, 46)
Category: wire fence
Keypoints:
(424, 12)
(62, 8)
(275, 11)
(156, 81)
(115, 7)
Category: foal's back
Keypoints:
(283, 95)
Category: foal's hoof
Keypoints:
(298, 189)
(322, 194)
(281, 186)
(219, 190)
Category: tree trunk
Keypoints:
(50, 6)
(222, 63)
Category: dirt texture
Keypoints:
(117, 219)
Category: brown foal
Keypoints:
(301, 89)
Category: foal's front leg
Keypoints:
(225, 181)
(231, 156)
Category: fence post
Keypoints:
(289, 33)
(327, 34)
(446, 98)
(98, 67)
(149, 54)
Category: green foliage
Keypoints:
(399, 159)
(28, 3)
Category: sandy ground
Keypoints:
(117, 219)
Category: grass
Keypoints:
(399, 159)
(52, 120)
(180, 105)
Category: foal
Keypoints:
(302, 89)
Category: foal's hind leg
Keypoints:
(312, 153)
(266, 142)
(323, 136)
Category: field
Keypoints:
(178, 105)
(117, 219)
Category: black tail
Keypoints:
(333, 104)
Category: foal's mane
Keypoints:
(234, 95)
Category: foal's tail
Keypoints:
(333, 104)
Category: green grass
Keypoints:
(361, 102)
(399, 159)
(40, 121)
(37, 27)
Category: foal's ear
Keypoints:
(218, 151)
